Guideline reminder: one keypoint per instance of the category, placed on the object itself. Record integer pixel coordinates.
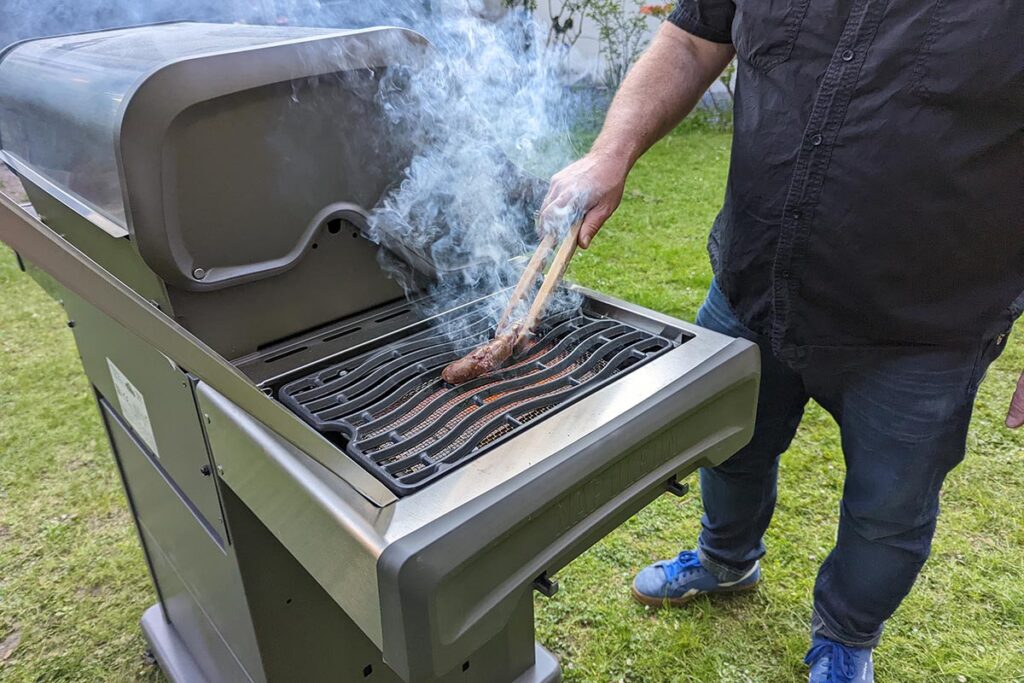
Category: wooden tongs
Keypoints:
(511, 333)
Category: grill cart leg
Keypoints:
(546, 670)
(170, 652)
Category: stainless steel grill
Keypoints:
(314, 503)
(391, 411)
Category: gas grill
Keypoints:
(314, 502)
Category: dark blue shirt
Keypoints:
(876, 188)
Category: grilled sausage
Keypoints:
(482, 359)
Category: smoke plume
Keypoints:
(489, 120)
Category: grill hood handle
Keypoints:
(38, 244)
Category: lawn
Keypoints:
(73, 583)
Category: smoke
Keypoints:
(488, 121)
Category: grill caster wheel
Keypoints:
(149, 659)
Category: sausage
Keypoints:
(482, 359)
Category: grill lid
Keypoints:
(193, 138)
(391, 411)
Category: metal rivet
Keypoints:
(816, 139)
(199, 273)
(220, 470)
(847, 55)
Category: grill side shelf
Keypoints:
(390, 410)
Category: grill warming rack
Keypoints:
(389, 409)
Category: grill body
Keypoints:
(313, 503)
(453, 561)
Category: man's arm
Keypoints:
(666, 83)
(1015, 416)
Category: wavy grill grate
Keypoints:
(392, 412)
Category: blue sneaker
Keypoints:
(833, 662)
(681, 579)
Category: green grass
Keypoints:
(73, 583)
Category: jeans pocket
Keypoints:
(716, 314)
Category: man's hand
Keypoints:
(591, 187)
(1015, 416)
(666, 83)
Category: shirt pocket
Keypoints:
(764, 31)
(971, 53)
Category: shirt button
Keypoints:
(785, 275)
(816, 139)
(796, 213)
(847, 55)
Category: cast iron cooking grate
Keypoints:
(391, 411)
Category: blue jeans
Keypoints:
(903, 415)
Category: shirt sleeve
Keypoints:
(708, 19)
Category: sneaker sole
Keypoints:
(650, 601)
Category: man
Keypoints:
(871, 243)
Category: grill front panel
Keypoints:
(391, 411)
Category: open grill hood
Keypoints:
(172, 134)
